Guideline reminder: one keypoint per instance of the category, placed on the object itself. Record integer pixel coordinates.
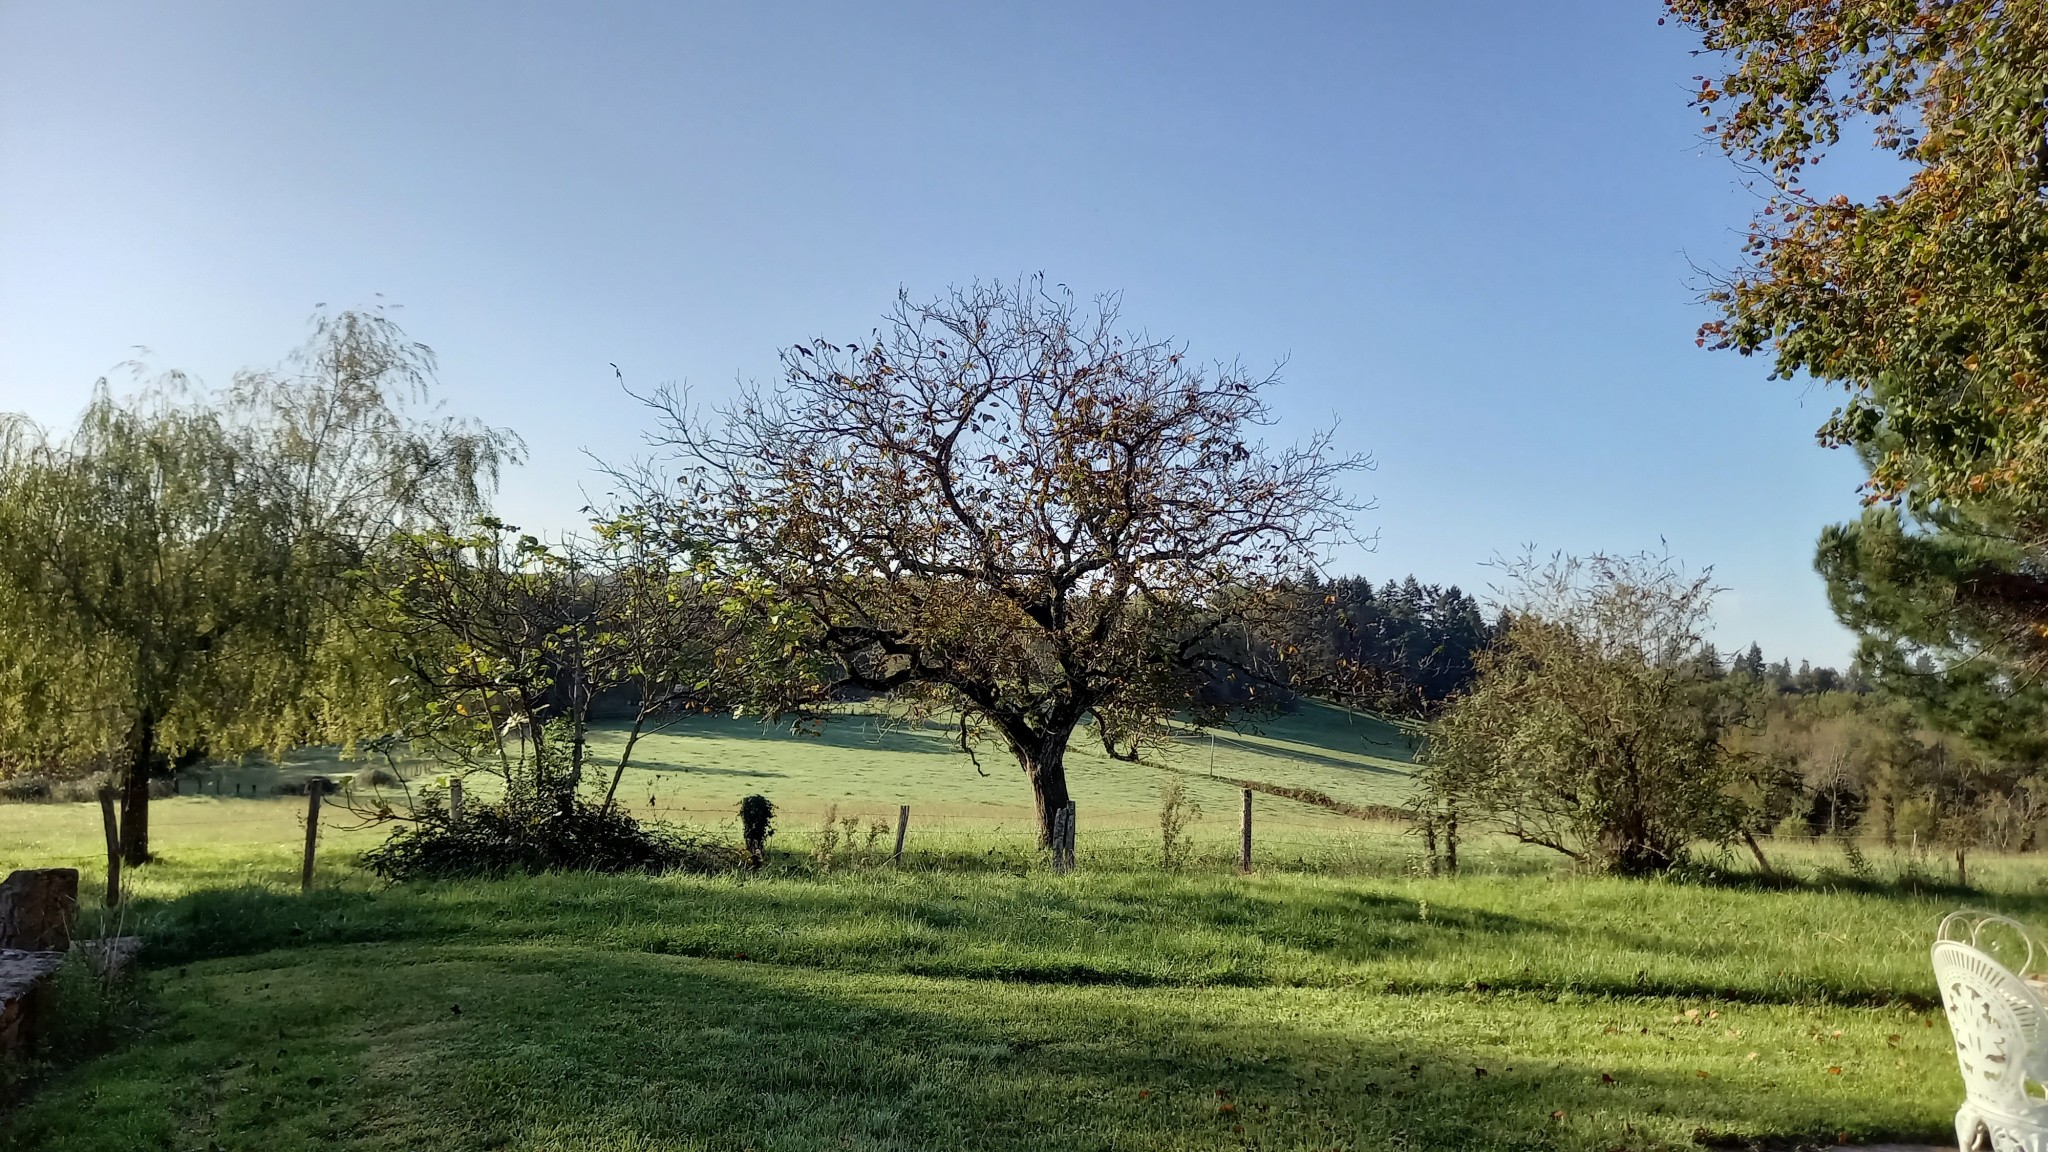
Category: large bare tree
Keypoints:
(1002, 504)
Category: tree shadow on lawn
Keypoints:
(1285, 749)
(859, 732)
(707, 770)
(458, 1046)
(1031, 930)
(1138, 932)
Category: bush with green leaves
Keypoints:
(535, 834)
(1593, 728)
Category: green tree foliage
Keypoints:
(507, 644)
(149, 578)
(1865, 765)
(1931, 634)
(1592, 728)
(1002, 505)
(507, 647)
(1926, 305)
(180, 565)
(1403, 647)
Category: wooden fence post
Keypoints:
(455, 801)
(902, 825)
(314, 787)
(112, 825)
(1244, 836)
(1072, 821)
(1059, 841)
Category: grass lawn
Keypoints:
(1335, 999)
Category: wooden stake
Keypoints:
(455, 801)
(112, 825)
(902, 826)
(314, 787)
(1244, 836)
(1072, 823)
(1059, 841)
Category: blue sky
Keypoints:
(1468, 228)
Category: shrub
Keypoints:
(539, 836)
(827, 844)
(1597, 726)
(47, 790)
(1176, 811)
(757, 815)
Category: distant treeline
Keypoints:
(1402, 647)
(1806, 680)
(1405, 647)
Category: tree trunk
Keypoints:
(142, 765)
(1757, 850)
(1045, 764)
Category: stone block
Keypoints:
(37, 906)
(24, 996)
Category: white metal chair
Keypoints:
(1996, 1013)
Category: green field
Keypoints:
(1338, 998)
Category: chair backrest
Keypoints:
(1999, 1023)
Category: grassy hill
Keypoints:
(696, 771)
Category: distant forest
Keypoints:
(1405, 647)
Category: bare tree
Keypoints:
(1002, 504)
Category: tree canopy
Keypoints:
(1002, 504)
(1593, 728)
(179, 565)
(1927, 305)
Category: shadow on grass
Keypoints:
(1117, 930)
(1829, 880)
(465, 1046)
(708, 770)
(1138, 930)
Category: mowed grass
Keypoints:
(1337, 998)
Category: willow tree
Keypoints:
(1003, 505)
(174, 569)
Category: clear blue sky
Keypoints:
(1466, 226)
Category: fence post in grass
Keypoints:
(1244, 835)
(902, 825)
(455, 801)
(1071, 822)
(314, 787)
(1059, 840)
(113, 829)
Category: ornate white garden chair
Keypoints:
(1996, 1012)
